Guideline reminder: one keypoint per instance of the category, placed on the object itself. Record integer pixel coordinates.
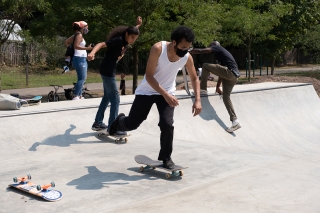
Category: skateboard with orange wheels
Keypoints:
(152, 164)
(46, 191)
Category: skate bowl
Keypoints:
(271, 164)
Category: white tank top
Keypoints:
(165, 74)
(81, 53)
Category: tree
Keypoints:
(245, 23)
(17, 12)
(310, 43)
(303, 15)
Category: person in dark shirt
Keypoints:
(123, 84)
(228, 73)
(117, 42)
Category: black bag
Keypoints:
(70, 48)
(68, 93)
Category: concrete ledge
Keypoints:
(128, 99)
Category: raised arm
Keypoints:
(139, 21)
(96, 48)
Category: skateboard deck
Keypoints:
(152, 164)
(45, 191)
(117, 138)
(31, 101)
(185, 80)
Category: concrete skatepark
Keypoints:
(271, 164)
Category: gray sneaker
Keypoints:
(233, 128)
(98, 127)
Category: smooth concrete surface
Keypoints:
(271, 164)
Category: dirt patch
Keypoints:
(289, 79)
(269, 78)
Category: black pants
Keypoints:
(139, 112)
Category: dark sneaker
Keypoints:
(114, 126)
(98, 127)
(168, 164)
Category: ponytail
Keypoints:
(121, 30)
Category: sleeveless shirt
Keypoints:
(165, 74)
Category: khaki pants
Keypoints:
(228, 82)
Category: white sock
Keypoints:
(235, 122)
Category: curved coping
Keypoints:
(186, 96)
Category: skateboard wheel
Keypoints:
(29, 176)
(116, 141)
(15, 179)
(126, 139)
(141, 168)
(153, 167)
(38, 187)
(53, 184)
(168, 175)
(181, 173)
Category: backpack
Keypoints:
(68, 93)
(70, 48)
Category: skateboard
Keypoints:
(185, 80)
(31, 101)
(45, 191)
(117, 138)
(152, 164)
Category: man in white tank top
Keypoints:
(158, 86)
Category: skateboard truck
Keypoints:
(46, 191)
(152, 164)
(23, 180)
(45, 188)
(168, 175)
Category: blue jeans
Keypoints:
(81, 66)
(110, 94)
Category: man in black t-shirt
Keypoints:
(228, 73)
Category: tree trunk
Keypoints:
(249, 63)
(0, 72)
(272, 65)
(0, 82)
(135, 69)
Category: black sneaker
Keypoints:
(98, 127)
(114, 126)
(168, 164)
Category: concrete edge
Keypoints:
(179, 96)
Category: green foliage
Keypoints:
(268, 27)
(310, 42)
(18, 12)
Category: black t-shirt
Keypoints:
(224, 57)
(116, 48)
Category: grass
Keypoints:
(15, 77)
(312, 74)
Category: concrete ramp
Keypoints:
(271, 164)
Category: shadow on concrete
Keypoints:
(95, 179)
(211, 114)
(63, 140)
(25, 195)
